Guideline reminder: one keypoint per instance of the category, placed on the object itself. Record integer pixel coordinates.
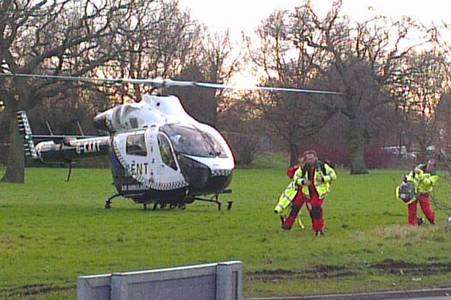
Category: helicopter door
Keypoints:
(167, 157)
(137, 153)
(169, 170)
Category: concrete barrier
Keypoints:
(221, 281)
(94, 287)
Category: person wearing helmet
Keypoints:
(423, 177)
(312, 183)
(314, 179)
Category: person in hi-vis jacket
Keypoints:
(424, 179)
(311, 183)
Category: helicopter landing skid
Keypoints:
(215, 199)
(109, 200)
(173, 205)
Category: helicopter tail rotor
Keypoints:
(25, 130)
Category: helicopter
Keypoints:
(159, 154)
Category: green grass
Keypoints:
(52, 231)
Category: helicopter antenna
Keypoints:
(48, 127)
(80, 129)
(162, 83)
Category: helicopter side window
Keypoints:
(136, 145)
(166, 154)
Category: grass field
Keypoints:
(52, 231)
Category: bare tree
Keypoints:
(426, 81)
(360, 59)
(215, 61)
(159, 40)
(443, 112)
(284, 63)
(52, 37)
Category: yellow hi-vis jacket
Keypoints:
(423, 182)
(324, 175)
(323, 178)
(285, 199)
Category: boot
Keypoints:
(420, 221)
(319, 233)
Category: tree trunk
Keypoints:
(15, 165)
(357, 148)
(422, 154)
(294, 153)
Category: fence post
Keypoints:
(94, 287)
(229, 281)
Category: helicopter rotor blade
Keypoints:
(154, 82)
(161, 83)
(263, 88)
(62, 78)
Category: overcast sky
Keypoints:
(245, 15)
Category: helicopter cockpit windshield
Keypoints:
(193, 141)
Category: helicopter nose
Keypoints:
(201, 178)
(195, 173)
(219, 180)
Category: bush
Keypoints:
(375, 157)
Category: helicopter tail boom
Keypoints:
(72, 149)
(59, 148)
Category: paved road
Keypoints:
(433, 294)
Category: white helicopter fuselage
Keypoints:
(157, 142)
(157, 151)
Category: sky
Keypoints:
(246, 15)
(239, 16)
